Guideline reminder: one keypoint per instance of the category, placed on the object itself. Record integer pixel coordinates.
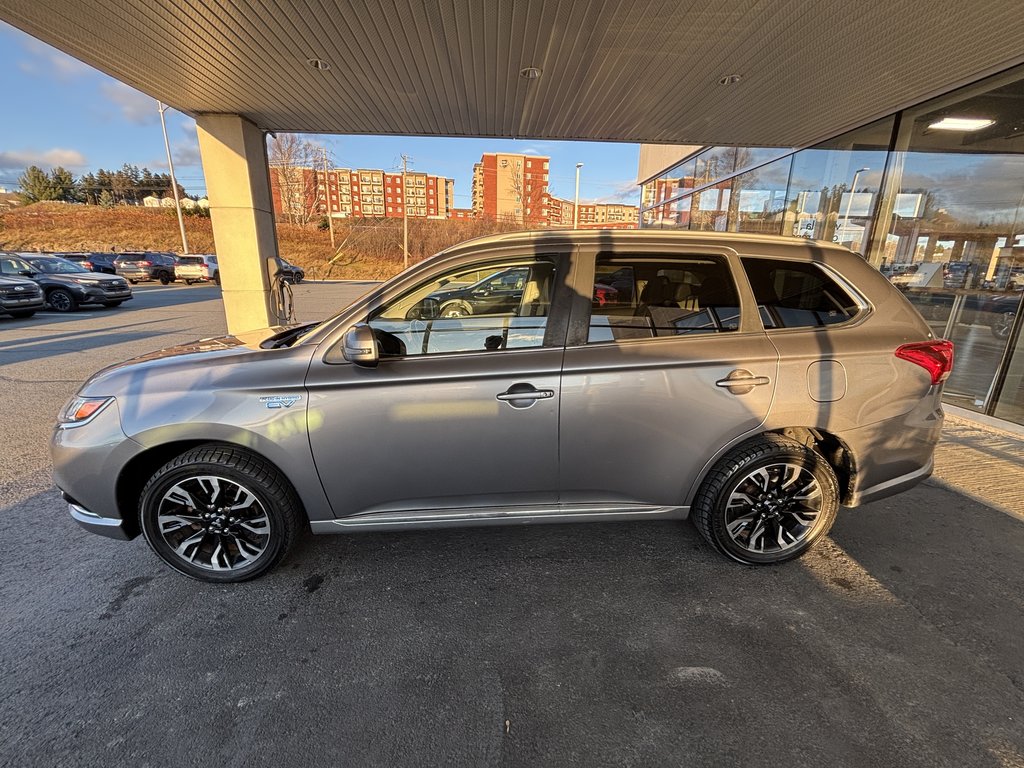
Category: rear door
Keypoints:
(659, 374)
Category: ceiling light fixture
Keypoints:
(730, 79)
(320, 64)
(529, 73)
(962, 124)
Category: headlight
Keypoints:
(81, 410)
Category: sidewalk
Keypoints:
(983, 462)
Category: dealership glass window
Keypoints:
(955, 235)
(834, 186)
(483, 308)
(647, 297)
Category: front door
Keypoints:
(460, 413)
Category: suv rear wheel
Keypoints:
(219, 514)
(767, 501)
(165, 278)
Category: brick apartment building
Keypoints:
(362, 193)
(512, 187)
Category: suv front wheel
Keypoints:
(219, 514)
(767, 501)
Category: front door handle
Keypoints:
(524, 395)
(741, 381)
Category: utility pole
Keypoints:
(174, 184)
(576, 204)
(327, 198)
(405, 212)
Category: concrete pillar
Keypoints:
(234, 153)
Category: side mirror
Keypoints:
(428, 309)
(360, 346)
(27, 273)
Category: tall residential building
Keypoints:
(364, 193)
(512, 187)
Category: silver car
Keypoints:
(753, 384)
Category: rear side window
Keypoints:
(794, 294)
(646, 297)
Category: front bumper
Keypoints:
(21, 305)
(111, 527)
(87, 460)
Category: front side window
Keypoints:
(478, 308)
(647, 297)
(793, 294)
(12, 265)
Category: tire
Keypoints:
(134, 282)
(208, 536)
(771, 471)
(61, 300)
(112, 304)
(456, 309)
(164, 278)
(216, 277)
(297, 279)
(22, 313)
(189, 282)
(1001, 326)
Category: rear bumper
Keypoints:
(895, 455)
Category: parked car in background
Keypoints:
(140, 266)
(751, 383)
(67, 285)
(19, 296)
(289, 272)
(1000, 311)
(197, 268)
(93, 261)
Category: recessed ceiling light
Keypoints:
(529, 73)
(319, 64)
(730, 79)
(962, 124)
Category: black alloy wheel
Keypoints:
(217, 513)
(456, 309)
(61, 300)
(767, 501)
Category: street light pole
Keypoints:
(174, 184)
(853, 190)
(576, 203)
(405, 212)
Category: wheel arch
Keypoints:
(137, 471)
(828, 445)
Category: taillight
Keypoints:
(145, 263)
(87, 264)
(936, 357)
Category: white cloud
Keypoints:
(48, 61)
(18, 160)
(136, 107)
(626, 192)
(186, 153)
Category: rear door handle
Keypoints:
(524, 395)
(741, 381)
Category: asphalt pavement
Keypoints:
(896, 643)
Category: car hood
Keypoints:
(179, 368)
(4, 280)
(78, 278)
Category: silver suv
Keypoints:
(754, 384)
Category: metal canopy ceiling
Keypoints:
(620, 70)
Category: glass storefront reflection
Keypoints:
(940, 212)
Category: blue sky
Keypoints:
(58, 111)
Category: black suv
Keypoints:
(65, 284)
(289, 272)
(498, 292)
(139, 266)
(19, 297)
(94, 262)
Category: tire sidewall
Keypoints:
(798, 456)
(164, 480)
(71, 301)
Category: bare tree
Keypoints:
(296, 167)
(529, 196)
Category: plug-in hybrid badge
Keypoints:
(280, 401)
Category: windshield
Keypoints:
(56, 266)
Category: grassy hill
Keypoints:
(366, 250)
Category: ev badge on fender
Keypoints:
(280, 401)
